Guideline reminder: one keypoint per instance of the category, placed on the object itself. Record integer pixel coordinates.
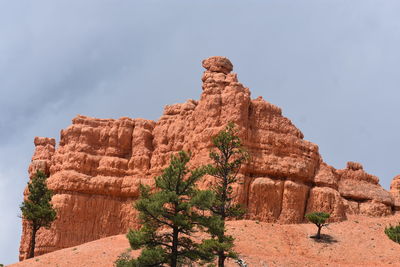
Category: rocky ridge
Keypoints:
(98, 165)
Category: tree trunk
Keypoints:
(221, 238)
(32, 243)
(221, 259)
(221, 253)
(174, 256)
(319, 232)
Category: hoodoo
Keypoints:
(96, 169)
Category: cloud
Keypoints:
(10, 224)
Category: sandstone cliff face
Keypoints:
(99, 163)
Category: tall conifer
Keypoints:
(37, 209)
(228, 157)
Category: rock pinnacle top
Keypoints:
(218, 64)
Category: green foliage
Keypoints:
(227, 160)
(124, 260)
(228, 157)
(393, 232)
(169, 217)
(319, 219)
(37, 209)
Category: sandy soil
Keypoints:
(359, 241)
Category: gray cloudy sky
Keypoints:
(332, 66)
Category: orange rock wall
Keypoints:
(99, 163)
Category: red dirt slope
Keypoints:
(360, 241)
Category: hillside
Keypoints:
(359, 241)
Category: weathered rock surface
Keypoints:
(395, 192)
(96, 170)
(328, 200)
(44, 150)
(363, 193)
(265, 199)
(326, 176)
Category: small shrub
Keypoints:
(241, 262)
(393, 232)
(319, 219)
(124, 260)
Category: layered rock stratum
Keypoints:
(96, 170)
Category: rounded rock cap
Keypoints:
(218, 64)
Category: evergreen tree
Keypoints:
(393, 232)
(227, 160)
(319, 219)
(36, 208)
(169, 217)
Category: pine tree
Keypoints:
(227, 160)
(169, 217)
(37, 209)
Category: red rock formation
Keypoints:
(362, 192)
(395, 192)
(41, 159)
(99, 163)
